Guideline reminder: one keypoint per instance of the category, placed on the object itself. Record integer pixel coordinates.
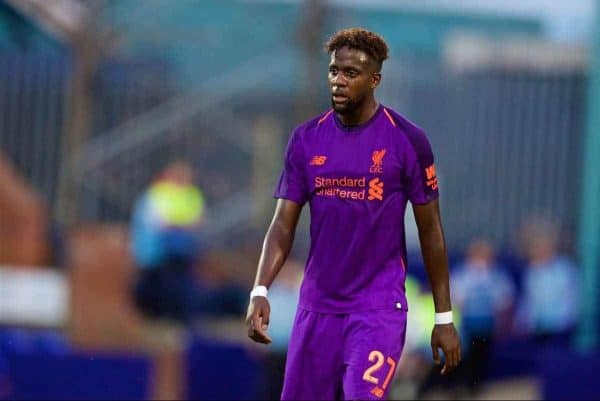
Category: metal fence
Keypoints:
(34, 107)
(202, 126)
(32, 102)
(508, 144)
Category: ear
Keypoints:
(375, 80)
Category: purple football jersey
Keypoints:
(357, 181)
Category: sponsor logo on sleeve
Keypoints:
(431, 175)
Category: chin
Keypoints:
(342, 108)
(339, 108)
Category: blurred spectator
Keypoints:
(549, 309)
(416, 360)
(283, 297)
(416, 374)
(483, 291)
(166, 239)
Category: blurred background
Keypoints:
(141, 141)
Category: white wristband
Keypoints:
(443, 317)
(259, 291)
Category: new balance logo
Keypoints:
(375, 189)
(318, 160)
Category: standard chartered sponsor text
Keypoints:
(341, 187)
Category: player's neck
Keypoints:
(361, 115)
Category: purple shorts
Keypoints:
(343, 356)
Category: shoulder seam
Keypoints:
(325, 116)
(387, 113)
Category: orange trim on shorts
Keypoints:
(389, 116)
(377, 392)
(403, 265)
(325, 116)
(392, 364)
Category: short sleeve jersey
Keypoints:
(357, 181)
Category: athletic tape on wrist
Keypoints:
(443, 317)
(259, 291)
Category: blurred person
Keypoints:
(414, 364)
(483, 292)
(416, 375)
(166, 240)
(357, 165)
(549, 307)
(283, 297)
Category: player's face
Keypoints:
(352, 78)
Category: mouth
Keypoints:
(339, 99)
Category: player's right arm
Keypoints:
(276, 247)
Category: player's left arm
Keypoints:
(435, 256)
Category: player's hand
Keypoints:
(257, 319)
(445, 336)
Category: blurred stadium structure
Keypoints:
(487, 103)
(96, 96)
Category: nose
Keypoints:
(337, 79)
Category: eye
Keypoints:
(352, 73)
(333, 70)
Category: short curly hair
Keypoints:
(359, 39)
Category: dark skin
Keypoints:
(353, 77)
